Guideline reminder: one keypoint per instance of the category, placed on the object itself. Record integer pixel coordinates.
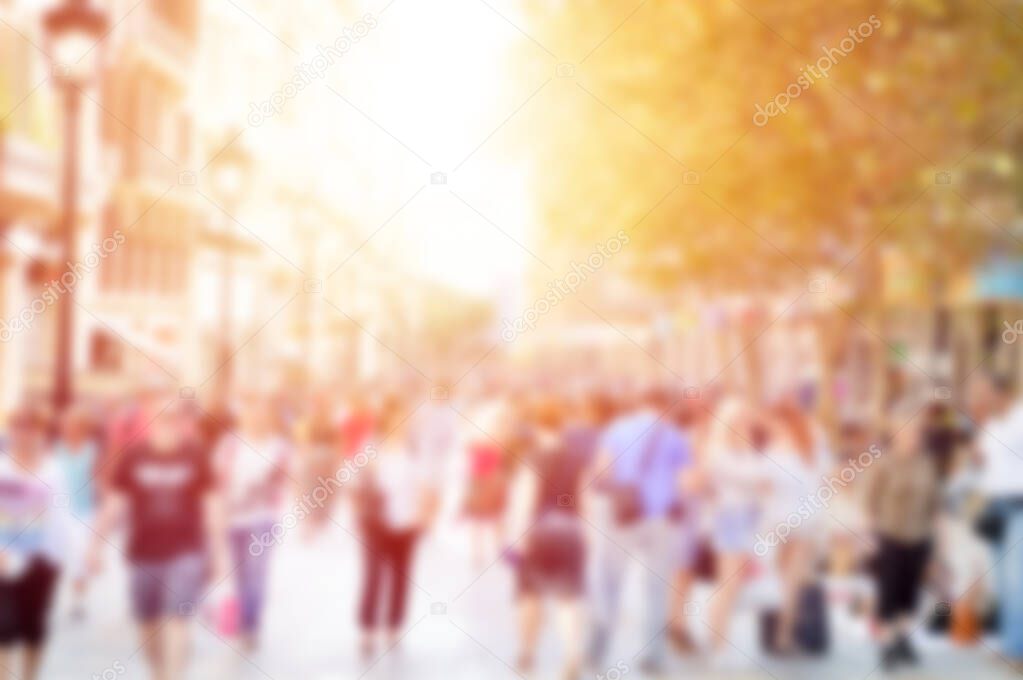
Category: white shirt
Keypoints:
(252, 472)
(794, 480)
(433, 433)
(35, 515)
(404, 479)
(739, 478)
(1001, 443)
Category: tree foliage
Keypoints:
(856, 163)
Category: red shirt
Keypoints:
(355, 431)
(484, 459)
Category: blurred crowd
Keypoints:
(910, 522)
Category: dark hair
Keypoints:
(942, 436)
(1000, 382)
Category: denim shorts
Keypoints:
(170, 587)
(734, 529)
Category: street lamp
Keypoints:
(73, 29)
(230, 176)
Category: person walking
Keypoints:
(903, 497)
(76, 453)
(998, 417)
(798, 470)
(396, 500)
(552, 563)
(35, 541)
(319, 445)
(252, 474)
(636, 472)
(686, 530)
(164, 487)
(736, 478)
(490, 452)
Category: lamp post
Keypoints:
(230, 176)
(73, 30)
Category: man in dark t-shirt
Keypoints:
(165, 492)
(176, 537)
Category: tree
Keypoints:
(926, 87)
(902, 144)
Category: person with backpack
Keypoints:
(251, 467)
(637, 468)
(396, 500)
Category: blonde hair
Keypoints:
(725, 427)
(905, 422)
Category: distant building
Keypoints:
(141, 298)
(138, 220)
(28, 195)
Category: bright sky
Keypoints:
(421, 93)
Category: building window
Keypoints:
(106, 354)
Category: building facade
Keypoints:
(138, 224)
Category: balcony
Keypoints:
(28, 179)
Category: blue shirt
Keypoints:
(654, 471)
(78, 468)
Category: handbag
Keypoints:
(228, 613)
(627, 497)
(705, 565)
(990, 523)
(768, 626)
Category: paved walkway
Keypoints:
(461, 625)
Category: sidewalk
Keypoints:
(460, 625)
